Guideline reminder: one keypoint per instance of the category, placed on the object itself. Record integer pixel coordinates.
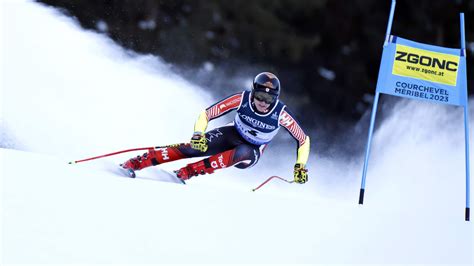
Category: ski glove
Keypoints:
(300, 173)
(199, 142)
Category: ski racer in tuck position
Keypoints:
(259, 116)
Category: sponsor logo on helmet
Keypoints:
(270, 75)
(268, 84)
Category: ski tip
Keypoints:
(175, 173)
(128, 171)
(131, 173)
(71, 162)
(181, 180)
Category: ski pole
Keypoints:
(109, 154)
(270, 178)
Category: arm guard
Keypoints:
(201, 124)
(303, 152)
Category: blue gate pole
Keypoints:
(374, 111)
(466, 120)
(367, 149)
(466, 133)
(390, 20)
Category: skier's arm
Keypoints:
(216, 110)
(289, 122)
(199, 141)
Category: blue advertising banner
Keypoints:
(424, 72)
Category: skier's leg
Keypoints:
(249, 161)
(242, 156)
(219, 139)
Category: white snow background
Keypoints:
(68, 94)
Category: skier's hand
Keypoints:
(300, 174)
(199, 142)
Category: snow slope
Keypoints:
(69, 94)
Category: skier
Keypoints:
(259, 115)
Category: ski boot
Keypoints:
(194, 169)
(139, 162)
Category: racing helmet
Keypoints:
(266, 87)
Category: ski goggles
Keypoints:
(264, 97)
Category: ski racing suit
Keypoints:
(239, 144)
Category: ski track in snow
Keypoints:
(68, 94)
